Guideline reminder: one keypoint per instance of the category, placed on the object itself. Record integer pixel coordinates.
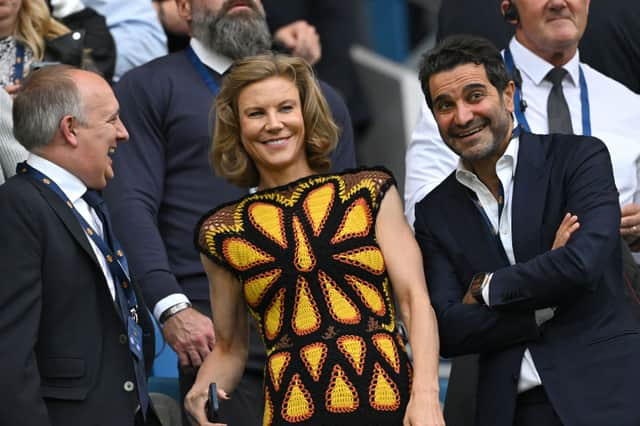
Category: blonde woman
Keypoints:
(29, 35)
(317, 259)
(25, 26)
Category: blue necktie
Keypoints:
(133, 330)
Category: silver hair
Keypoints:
(235, 36)
(45, 97)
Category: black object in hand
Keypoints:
(213, 404)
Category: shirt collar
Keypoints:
(217, 62)
(72, 187)
(537, 68)
(510, 156)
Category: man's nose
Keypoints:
(122, 134)
(463, 115)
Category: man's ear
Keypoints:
(184, 9)
(510, 12)
(508, 96)
(67, 128)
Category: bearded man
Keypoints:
(165, 183)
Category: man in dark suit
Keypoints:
(510, 275)
(72, 324)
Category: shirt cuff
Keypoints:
(485, 290)
(62, 8)
(167, 302)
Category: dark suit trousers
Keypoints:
(534, 409)
(460, 402)
(152, 418)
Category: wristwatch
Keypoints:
(478, 284)
(172, 310)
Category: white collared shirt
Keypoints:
(615, 119)
(501, 224)
(217, 62)
(74, 189)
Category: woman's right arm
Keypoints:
(225, 364)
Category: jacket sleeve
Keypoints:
(465, 329)
(555, 276)
(21, 301)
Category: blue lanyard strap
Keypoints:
(116, 259)
(202, 70)
(126, 297)
(520, 104)
(515, 133)
(18, 66)
(495, 232)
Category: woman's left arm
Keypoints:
(404, 265)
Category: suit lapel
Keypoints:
(469, 227)
(529, 197)
(67, 217)
(70, 222)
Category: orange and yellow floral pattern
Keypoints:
(315, 281)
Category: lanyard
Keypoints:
(501, 199)
(19, 64)
(521, 104)
(116, 259)
(202, 70)
(485, 217)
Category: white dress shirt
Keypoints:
(501, 225)
(615, 119)
(219, 64)
(74, 189)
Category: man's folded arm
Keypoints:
(466, 329)
(558, 276)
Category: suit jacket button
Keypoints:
(123, 339)
(129, 386)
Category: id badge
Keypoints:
(135, 337)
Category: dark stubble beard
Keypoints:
(235, 36)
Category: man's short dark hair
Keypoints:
(460, 50)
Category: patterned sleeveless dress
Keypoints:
(314, 280)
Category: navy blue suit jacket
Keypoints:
(587, 353)
(63, 345)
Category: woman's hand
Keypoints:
(567, 227)
(424, 411)
(12, 89)
(194, 404)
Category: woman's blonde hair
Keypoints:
(35, 25)
(228, 156)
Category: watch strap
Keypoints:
(478, 284)
(172, 310)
